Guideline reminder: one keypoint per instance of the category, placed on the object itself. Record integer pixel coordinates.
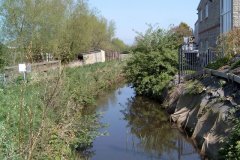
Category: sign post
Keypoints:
(23, 69)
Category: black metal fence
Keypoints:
(192, 61)
(208, 57)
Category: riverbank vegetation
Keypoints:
(231, 150)
(154, 60)
(43, 119)
(3, 55)
(229, 45)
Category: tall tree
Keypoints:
(61, 27)
(119, 45)
(182, 30)
(32, 23)
(155, 39)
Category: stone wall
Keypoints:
(94, 57)
(202, 109)
(209, 27)
(236, 13)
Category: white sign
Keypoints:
(185, 40)
(22, 67)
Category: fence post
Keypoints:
(179, 63)
(60, 67)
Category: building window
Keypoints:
(201, 45)
(200, 14)
(206, 11)
(226, 16)
(206, 45)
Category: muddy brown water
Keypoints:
(138, 129)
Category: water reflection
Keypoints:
(150, 124)
(138, 129)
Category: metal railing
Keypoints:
(192, 61)
(207, 57)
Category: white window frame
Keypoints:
(226, 15)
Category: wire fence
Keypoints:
(11, 74)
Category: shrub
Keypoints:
(230, 43)
(3, 53)
(150, 73)
(194, 87)
(219, 63)
(231, 150)
(153, 63)
(235, 65)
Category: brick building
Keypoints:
(215, 17)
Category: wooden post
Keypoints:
(60, 67)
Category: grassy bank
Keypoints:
(43, 119)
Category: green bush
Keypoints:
(235, 65)
(194, 87)
(219, 63)
(3, 55)
(150, 73)
(154, 62)
(231, 150)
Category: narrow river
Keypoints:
(138, 129)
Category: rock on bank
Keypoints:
(203, 108)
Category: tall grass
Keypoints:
(43, 119)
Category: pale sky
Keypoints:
(132, 15)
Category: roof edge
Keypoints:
(199, 4)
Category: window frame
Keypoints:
(206, 10)
(200, 15)
(226, 15)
